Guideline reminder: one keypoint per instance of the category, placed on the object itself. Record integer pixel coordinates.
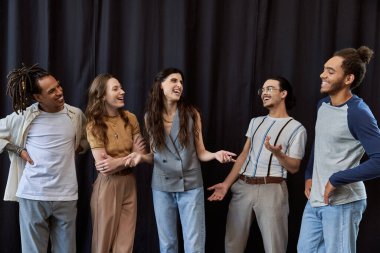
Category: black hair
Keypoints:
(155, 107)
(354, 62)
(22, 84)
(290, 99)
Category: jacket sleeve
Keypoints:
(5, 132)
(83, 143)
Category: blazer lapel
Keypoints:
(174, 131)
(171, 139)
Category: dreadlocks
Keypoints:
(22, 84)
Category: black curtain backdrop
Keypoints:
(225, 48)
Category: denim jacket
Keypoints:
(14, 129)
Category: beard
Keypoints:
(332, 87)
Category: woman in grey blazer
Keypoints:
(175, 136)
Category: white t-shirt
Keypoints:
(50, 144)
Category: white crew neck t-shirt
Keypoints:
(50, 144)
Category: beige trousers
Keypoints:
(114, 212)
(269, 204)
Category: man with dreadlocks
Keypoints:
(41, 140)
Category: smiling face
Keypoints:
(114, 96)
(50, 98)
(333, 77)
(172, 87)
(271, 94)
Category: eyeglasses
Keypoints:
(267, 89)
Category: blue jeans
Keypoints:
(40, 220)
(190, 206)
(330, 229)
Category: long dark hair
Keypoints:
(155, 107)
(96, 110)
(22, 84)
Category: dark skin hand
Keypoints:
(329, 190)
(25, 156)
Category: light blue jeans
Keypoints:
(190, 206)
(40, 220)
(330, 229)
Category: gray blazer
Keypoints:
(176, 168)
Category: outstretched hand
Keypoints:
(220, 190)
(275, 149)
(224, 156)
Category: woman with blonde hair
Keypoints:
(112, 132)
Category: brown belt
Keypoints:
(261, 180)
(123, 172)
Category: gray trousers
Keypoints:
(268, 203)
(40, 220)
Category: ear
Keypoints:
(37, 97)
(349, 79)
(284, 93)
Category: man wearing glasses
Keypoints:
(345, 129)
(41, 140)
(275, 145)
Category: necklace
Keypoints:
(116, 135)
(168, 118)
(113, 124)
(167, 121)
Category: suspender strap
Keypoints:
(275, 142)
(253, 135)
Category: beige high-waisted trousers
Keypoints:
(114, 212)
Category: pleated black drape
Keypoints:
(225, 48)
